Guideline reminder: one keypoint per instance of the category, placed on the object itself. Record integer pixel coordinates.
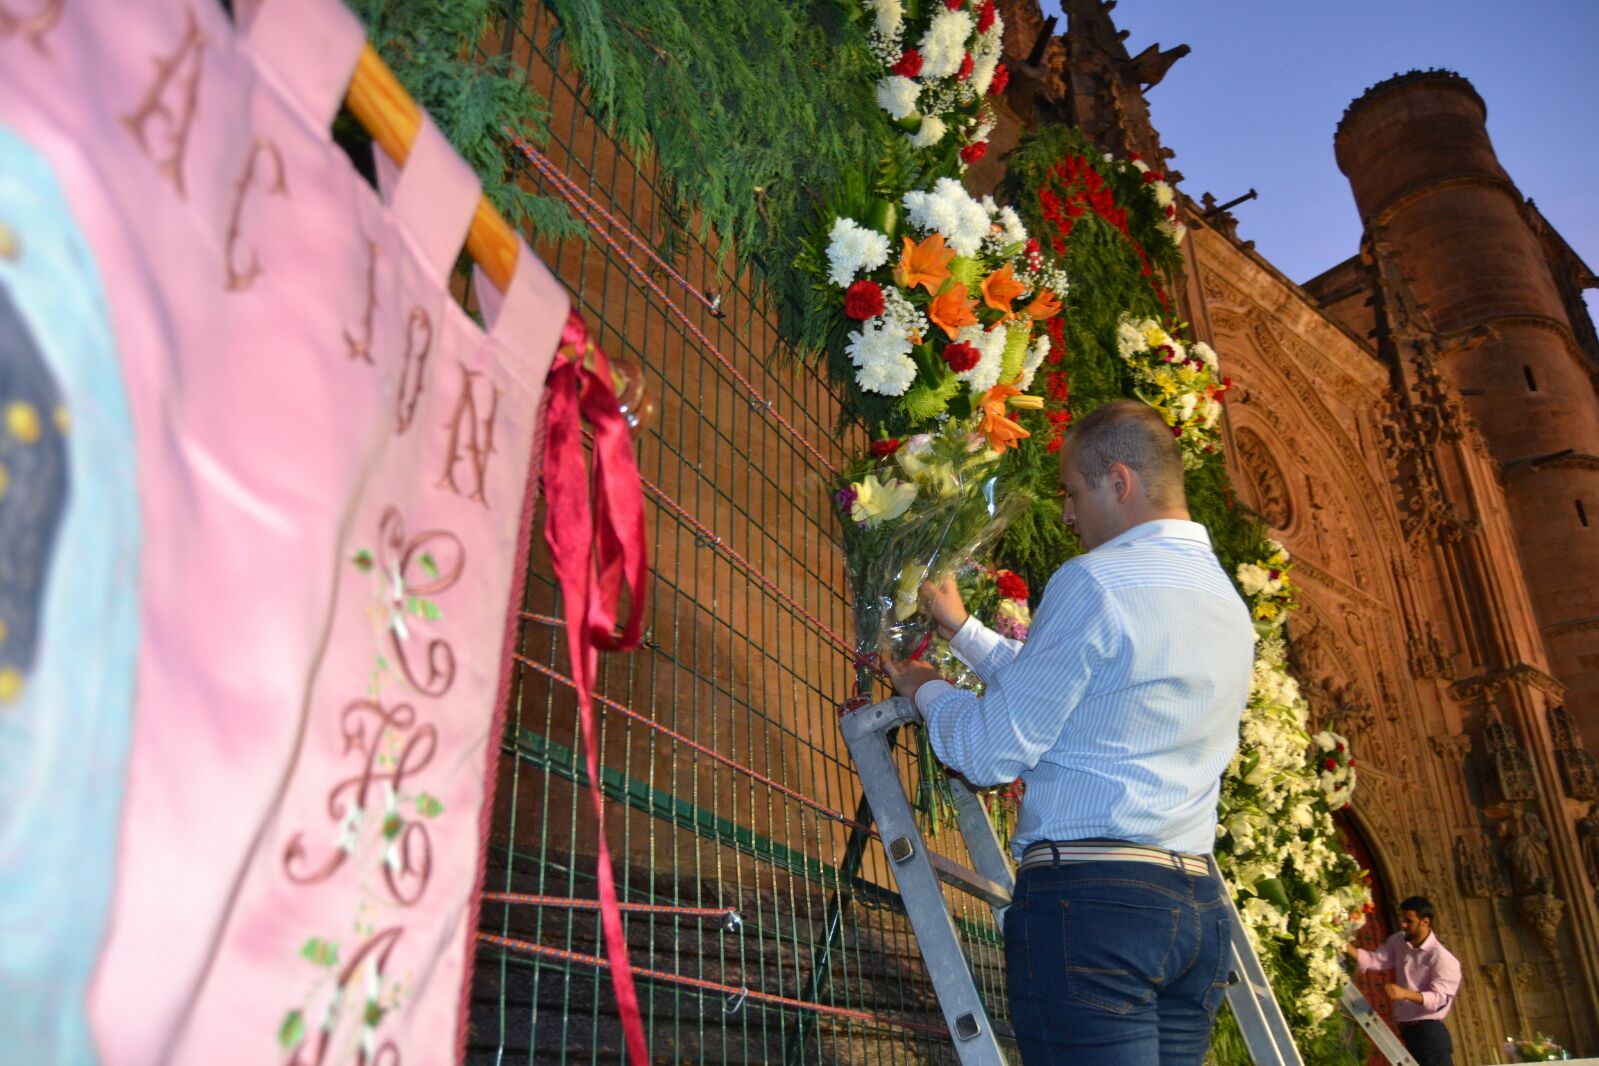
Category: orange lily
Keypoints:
(1001, 432)
(925, 264)
(951, 309)
(1000, 288)
(1045, 305)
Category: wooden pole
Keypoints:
(381, 104)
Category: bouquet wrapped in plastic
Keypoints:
(915, 510)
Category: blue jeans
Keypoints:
(1115, 964)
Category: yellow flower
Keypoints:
(905, 594)
(938, 477)
(1154, 336)
(877, 501)
(1266, 611)
(1166, 383)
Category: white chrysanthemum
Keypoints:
(888, 15)
(943, 46)
(1128, 339)
(1011, 223)
(889, 377)
(852, 248)
(985, 56)
(1206, 354)
(1174, 231)
(949, 209)
(882, 355)
(897, 95)
(1143, 167)
(990, 345)
(1163, 193)
(1035, 359)
(930, 132)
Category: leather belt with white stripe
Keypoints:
(1055, 852)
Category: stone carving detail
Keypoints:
(1527, 851)
(1427, 655)
(1579, 770)
(1335, 703)
(1495, 973)
(1480, 875)
(1522, 976)
(1271, 491)
(1544, 912)
(1588, 845)
(1511, 765)
(1454, 746)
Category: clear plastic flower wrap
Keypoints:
(914, 510)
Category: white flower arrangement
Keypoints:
(1276, 827)
(940, 70)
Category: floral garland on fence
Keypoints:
(1300, 894)
(936, 88)
(947, 325)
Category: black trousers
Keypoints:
(1429, 1042)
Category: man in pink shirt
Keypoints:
(1427, 977)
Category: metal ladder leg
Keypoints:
(918, 871)
(1249, 995)
(1374, 1027)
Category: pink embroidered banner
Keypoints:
(327, 514)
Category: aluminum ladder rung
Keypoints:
(969, 881)
(1374, 1027)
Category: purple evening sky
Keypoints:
(1256, 103)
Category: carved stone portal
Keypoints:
(1544, 912)
(1480, 875)
(1271, 490)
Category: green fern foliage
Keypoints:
(471, 92)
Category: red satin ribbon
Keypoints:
(597, 546)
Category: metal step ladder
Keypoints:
(919, 872)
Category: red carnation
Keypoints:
(1001, 79)
(910, 64)
(954, 5)
(1152, 176)
(889, 446)
(973, 152)
(1351, 761)
(863, 300)
(1330, 765)
(1134, 156)
(1011, 585)
(985, 16)
(966, 67)
(961, 356)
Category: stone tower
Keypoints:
(1477, 256)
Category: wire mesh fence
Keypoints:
(728, 787)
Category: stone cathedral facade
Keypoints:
(1419, 424)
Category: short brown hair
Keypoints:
(1130, 432)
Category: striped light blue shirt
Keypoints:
(1121, 710)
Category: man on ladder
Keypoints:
(1119, 714)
